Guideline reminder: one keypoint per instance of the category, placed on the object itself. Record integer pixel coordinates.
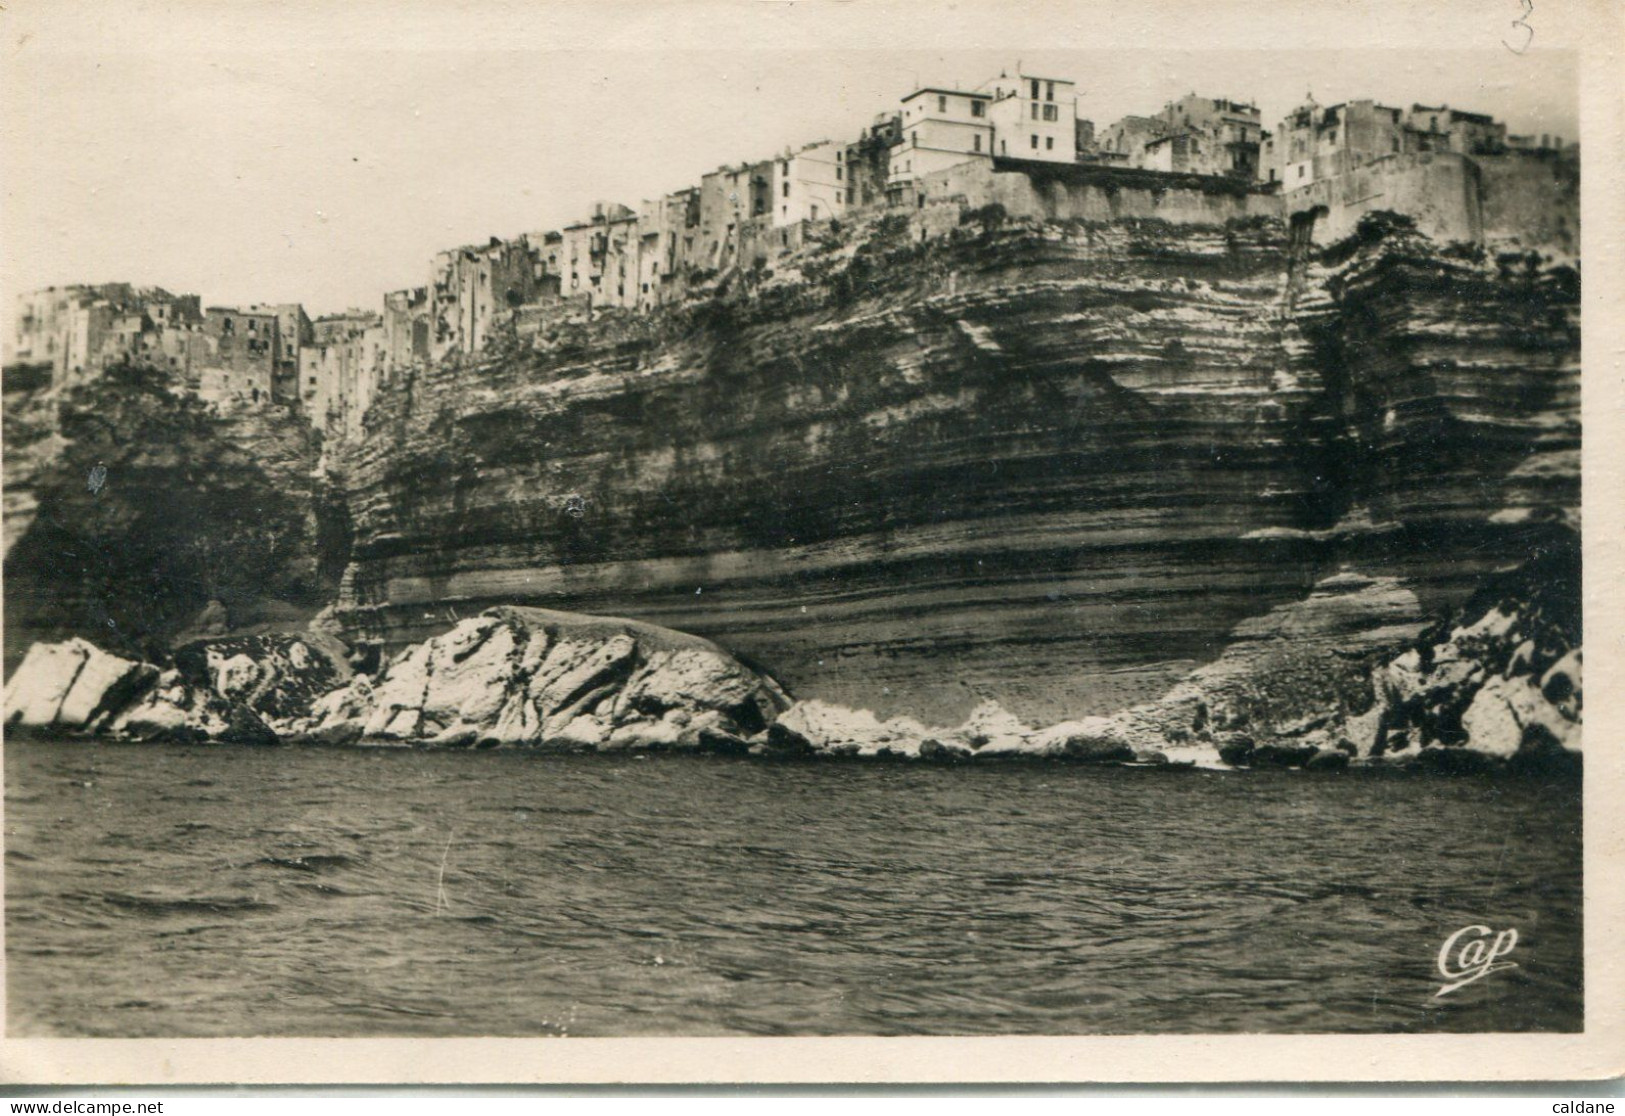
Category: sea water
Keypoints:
(156, 890)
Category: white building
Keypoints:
(809, 184)
(1034, 118)
(941, 128)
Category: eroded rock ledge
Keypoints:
(1351, 674)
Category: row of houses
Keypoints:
(1215, 136)
(748, 214)
(254, 355)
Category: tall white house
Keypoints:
(1034, 118)
(941, 128)
(809, 184)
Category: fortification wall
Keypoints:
(1530, 200)
(1440, 191)
(1090, 195)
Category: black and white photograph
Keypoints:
(565, 522)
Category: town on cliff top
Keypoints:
(1017, 140)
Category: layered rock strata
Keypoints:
(1347, 675)
(1048, 465)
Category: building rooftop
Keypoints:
(924, 89)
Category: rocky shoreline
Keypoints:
(1352, 675)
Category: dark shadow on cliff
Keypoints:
(149, 507)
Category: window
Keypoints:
(942, 104)
(785, 190)
(1051, 112)
(978, 108)
(849, 195)
(1049, 143)
(1035, 110)
(977, 140)
(1035, 143)
(1049, 91)
(815, 213)
(837, 172)
(1035, 89)
(1004, 148)
(1300, 170)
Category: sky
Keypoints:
(322, 153)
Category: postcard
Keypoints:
(867, 542)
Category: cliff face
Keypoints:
(1051, 465)
(130, 508)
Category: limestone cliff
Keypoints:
(130, 507)
(1051, 464)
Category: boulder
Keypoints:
(837, 730)
(1452, 761)
(1282, 755)
(1502, 711)
(942, 751)
(175, 709)
(1088, 740)
(990, 725)
(523, 676)
(72, 684)
(279, 677)
(1327, 759)
(1095, 749)
(1236, 749)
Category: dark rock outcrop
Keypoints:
(131, 507)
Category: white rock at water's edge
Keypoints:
(64, 683)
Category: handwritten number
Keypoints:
(1529, 32)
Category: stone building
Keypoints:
(1314, 142)
(472, 289)
(343, 369)
(240, 367)
(665, 229)
(1447, 129)
(598, 257)
(81, 329)
(1226, 136)
(868, 161)
(808, 184)
(729, 197)
(1124, 141)
(940, 128)
(1183, 153)
(293, 334)
(1033, 118)
(406, 329)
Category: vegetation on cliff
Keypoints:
(138, 506)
